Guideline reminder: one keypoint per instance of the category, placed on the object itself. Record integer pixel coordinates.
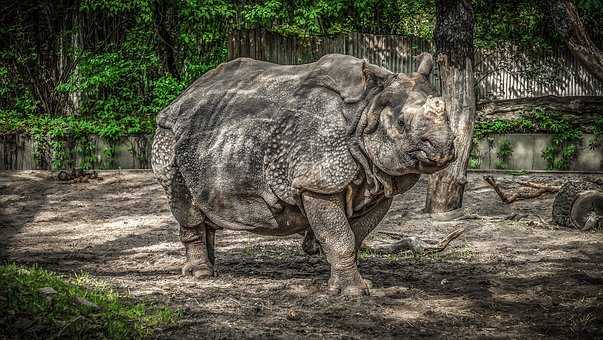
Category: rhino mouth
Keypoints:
(429, 163)
(422, 157)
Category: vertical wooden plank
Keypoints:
(251, 44)
(257, 36)
(364, 45)
(248, 44)
(291, 51)
(507, 80)
(241, 43)
(262, 45)
(269, 46)
(357, 43)
(230, 46)
(232, 49)
(280, 49)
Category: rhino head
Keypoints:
(407, 128)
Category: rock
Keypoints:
(293, 314)
(84, 302)
(47, 291)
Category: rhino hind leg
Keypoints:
(195, 233)
(199, 244)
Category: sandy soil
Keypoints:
(501, 279)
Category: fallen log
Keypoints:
(576, 105)
(522, 193)
(581, 110)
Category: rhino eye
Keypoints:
(401, 123)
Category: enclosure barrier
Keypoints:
(17, 152)
(505, 72)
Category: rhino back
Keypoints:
(230, 123)
(234, 90)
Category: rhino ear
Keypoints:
(351, 77)
(425, 64)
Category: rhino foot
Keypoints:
(350, 286)
(197, 270)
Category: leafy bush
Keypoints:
(503, 154)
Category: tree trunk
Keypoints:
(162, 11)
(454, 44)
(567, 22)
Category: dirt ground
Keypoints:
(500, 279)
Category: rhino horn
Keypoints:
(425, 63)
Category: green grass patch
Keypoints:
(36, 303)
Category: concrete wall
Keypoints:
(16, 153)
(527, 153)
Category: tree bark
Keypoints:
(454, 44)
(567, 22)
(167, 48)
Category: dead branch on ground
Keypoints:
(523, 192)
(419, 246)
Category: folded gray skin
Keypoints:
(319, 148)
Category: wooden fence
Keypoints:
(503, 73)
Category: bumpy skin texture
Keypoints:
(278, 150)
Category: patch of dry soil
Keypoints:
(500, 279)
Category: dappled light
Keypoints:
(528, 278)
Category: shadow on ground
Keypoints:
(23, 195)
(507, 279)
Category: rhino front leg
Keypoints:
(327, 217)
(361, 227)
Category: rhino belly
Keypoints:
(224, 170)
(255, 215)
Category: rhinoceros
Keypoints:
(320, 148)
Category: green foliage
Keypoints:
(136, 56)
(474, 154)
(59, 134)
(566, 136)
(522, 22)
(503, 154)
(502, 126)
(597, 140)
(321, 17)
(474, 162)
(29, 313)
